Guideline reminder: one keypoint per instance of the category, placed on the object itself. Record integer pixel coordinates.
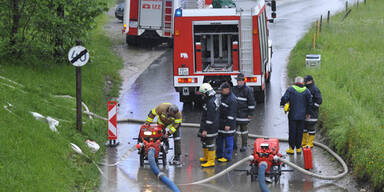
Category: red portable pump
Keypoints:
(307, 157)
(266, 150)
(151, 137)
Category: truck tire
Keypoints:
(259, 95)
(131, 40)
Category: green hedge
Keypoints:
(351, 80)
(32, 158)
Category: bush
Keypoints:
(46, 28)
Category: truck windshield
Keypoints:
(213, 52)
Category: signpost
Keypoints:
(78, 56)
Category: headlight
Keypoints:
(183, 71)
(133, 24)
(147, 133)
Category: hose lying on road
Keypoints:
(223, 172)
(160, 175)
(325, 177)
(122, 158)
(261, 176)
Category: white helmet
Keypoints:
(205, 87)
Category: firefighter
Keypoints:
(300, 102)
(209, 124)
(309, 128)
(245, 108)
(227, 123)
(169, 117)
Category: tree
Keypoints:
(46, 28)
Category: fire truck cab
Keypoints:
(215, 45)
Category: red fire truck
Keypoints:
(215, 45)
(149, 20)
(153, 19)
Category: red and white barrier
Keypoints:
(112, 123)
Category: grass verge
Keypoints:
(32, 157)
(351, 80)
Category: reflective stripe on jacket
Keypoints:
(245, 103)
(228, 111)
(210, 117)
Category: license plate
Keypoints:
(183, 71)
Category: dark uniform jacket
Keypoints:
(210, 117)
(228, 111)
(316, 99)
(300, 102)
(245, 103)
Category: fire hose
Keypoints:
(325, 177)
(261, 176)
(160, 175)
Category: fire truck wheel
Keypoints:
(260, 96)
(133, 41)
(142, 158)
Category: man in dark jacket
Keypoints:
(300, 103)
(245, 108)
(309, 129)
(227, 124)
(209, 124)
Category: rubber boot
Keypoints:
(205, 158)
(310, 140)
(298, 150)
(290, 151)
(211, 160)
(305, 139)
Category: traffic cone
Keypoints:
(211, 160)
(205, 158)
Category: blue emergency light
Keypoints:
(178, 12)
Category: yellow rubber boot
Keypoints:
(290, 151)
(305, 139)
(211, 160)
(205, 158)
(223, 160)
(298, 150)
(311, 138)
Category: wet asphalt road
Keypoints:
(154, 86)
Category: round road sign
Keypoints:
(78, 56)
